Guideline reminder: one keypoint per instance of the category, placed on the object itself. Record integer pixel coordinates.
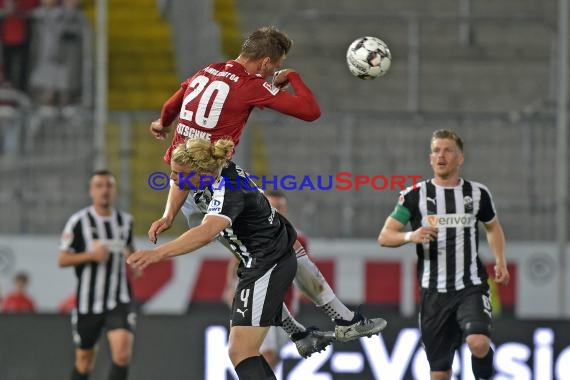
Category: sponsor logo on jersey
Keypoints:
(450, 220)
(271, 88)
(215, 206)
(113, 244)
(242, 312)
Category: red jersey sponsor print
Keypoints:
(216, 102)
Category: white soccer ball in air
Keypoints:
(368, 58)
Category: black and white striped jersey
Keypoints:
(257, 232)
(451, 262)
(100, 286)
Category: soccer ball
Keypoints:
(368, 58)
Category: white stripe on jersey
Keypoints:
(259, 294)
(124, 291)
(476, 195)
(441, 240)
(423, 211)
(86, 273)
(459, 240)
(116, 261)
(237, 246)
(99, 291)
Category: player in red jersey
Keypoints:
(19, 301)
(215, 103)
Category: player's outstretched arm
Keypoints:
(175, 200)
(190, 241)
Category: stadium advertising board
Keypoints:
(528, 352)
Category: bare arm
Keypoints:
(393, 235)
(190, 241)
(231, 276)
(98, 255)
(496, 240)
(175, 200)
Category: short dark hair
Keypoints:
(266, 42)
(274, 193)
(22, 276)
(448, 134)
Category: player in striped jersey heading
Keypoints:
(96, 241)
(276, 337)
(444, 213)
(262, 240)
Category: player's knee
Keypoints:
(122, 357)
(235, 353)
(84, 361)
(440, 368)
(240, 351)
(271, 357)
(478, 344)
(440, 375)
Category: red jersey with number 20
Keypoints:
(216, 102)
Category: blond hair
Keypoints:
(266, 42)
(448, 134)
(202, 156)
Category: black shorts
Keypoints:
(87, 328)
(447, 318)
(260, 293)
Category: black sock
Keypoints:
(254, 368)
(268, 369)
(483, 367)
(75, 375)
(118, 372)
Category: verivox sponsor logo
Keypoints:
(338, 181)
(450, 220)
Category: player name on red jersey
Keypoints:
(190, 132)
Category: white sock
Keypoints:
(312, 282)
(337, 310)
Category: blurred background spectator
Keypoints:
(18, 301)
(15, 36)
(57, 52)
(73, 25)
(47, 70)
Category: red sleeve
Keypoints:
(171, 108)
(302, 104)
